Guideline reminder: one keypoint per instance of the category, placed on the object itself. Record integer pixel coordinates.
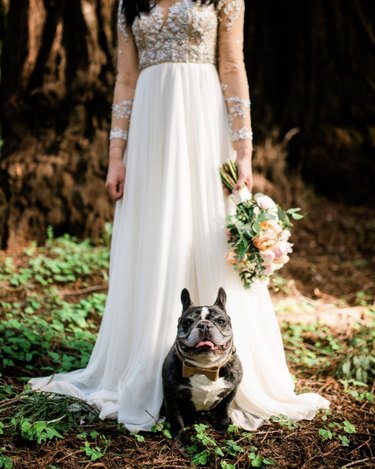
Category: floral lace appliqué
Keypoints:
(189, 34)
(118, 133)
(232, 9)
(123, 109)
(121, 23)
(238, 111)
(241, 134)
(238, 107)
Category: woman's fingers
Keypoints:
(117, 191)
(245, 174)
(242, 181)
(226, 190)
(114, 190)
(250, 182)
(115, 180)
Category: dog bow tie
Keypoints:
(211, 373)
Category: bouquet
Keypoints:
(258, 233)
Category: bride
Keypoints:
(181, 108)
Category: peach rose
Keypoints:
(271, 225)
(231, 257)
(265, 240)
(269, 235)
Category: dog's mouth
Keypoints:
(207, 344)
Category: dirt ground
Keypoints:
(334, 252)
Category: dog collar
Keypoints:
(212, 373)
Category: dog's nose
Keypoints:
(204, 325)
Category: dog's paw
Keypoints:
(221, 425)
(179, 444)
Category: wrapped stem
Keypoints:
(229, 174)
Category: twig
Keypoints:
(311, 459)
(153, 418)
(3, 286)
(82, 291)
(10, 402)
(265, 436)
(360, 409)
(316, 349)
(292, 434)
(97, 464)
(69, 455)
(360, 446)
(356, 462)
(326, 385)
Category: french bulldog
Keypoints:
(202, 370)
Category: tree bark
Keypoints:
(58, 64)
(310, 64)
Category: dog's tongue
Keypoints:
(205, 343)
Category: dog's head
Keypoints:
(204, 332)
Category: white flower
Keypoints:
(280, 261)
(240, 196)
(264, 202)
(268, 256)
(269, 269)
(281, 249)
(285, 235)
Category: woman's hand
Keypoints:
(245, 172)
(115, 176)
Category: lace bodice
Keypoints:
(187, 35)
(189, 32)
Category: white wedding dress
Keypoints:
(169, 227)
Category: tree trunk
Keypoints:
(311, 65)
(58, 66)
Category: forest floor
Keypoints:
(51, 299)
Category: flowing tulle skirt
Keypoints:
(169, 233)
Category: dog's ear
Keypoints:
(185, 299)
(221, 298)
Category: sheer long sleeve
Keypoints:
(233, 73)
(126, 80)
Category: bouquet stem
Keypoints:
(229, 174)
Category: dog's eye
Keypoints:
(188, 322)
(221, 322)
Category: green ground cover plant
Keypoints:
(51, 302)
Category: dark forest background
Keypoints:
(311, 68)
